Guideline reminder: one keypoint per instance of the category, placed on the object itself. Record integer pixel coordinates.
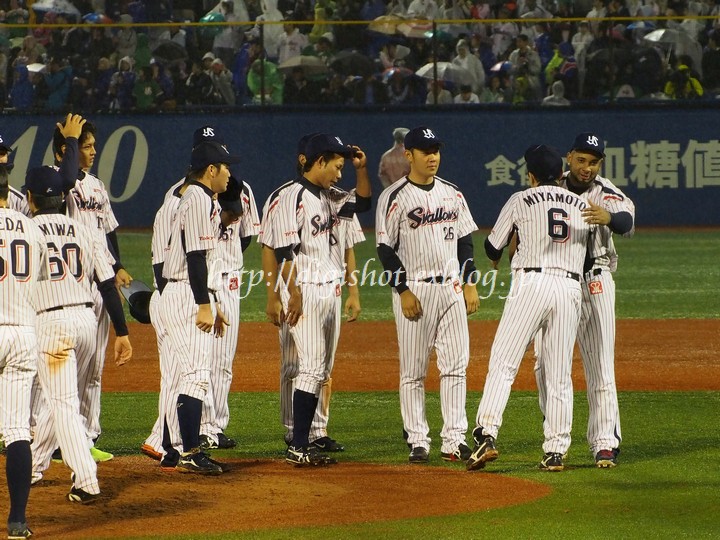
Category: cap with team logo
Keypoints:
(229, 199)
(210, 153)
(545, 163)
(322, 143)
(421, 138)
(4, 146)
(589, 142)
(206, 134)
(43, 182)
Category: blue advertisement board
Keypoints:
(666, 161)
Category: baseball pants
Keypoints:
(443, 326)
(18, 365)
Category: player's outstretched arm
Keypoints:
(123, 350)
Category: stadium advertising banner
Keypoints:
(667, 161)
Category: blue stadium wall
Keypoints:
(667, 161)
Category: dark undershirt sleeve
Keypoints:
(198, 275)
(621, 222)
(466, 259)
(492, 253)
(113, 306)
(392, 263)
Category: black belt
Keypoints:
(57, 308)
(594, 272)
(173, 280)
(438, 280)
(571, 275)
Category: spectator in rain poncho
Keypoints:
(122, 84)
(22, 92)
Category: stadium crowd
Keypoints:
(305, 52)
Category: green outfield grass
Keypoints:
(668, 481)
(661, 275)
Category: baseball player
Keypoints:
(88, 202)
(350, 233)
(303, 249)
(67, 328)
(22, 255)
(239, 223)
(611, 209)
(423, 228)
(545, 293)
(15, 199)
(393, 165)
(190, 317)
(164, 443)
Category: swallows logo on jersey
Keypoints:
(321, 227)
(420, 216)
(88, 204)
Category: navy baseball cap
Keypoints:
(589, 142)
(303, 141)
(544, 162)
(229, 199)
(210, 153)
(321, 143)
(421, 138)
(4, 145)
(43, 181)
(206, 134)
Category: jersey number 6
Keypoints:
(558, 228)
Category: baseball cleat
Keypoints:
(100, 456)
(326, 444)
(304, 457)
(150, 452)
(207, 443)
(169, 461)
(462, 453)
(18, 531)
(199, 463)
(81, 496)
(419, 455)
(606, 459)
(225, 442)
(552, 462)
(483, 452)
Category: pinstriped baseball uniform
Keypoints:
(66, 339)
(545, 294)
(422, 225)
(22, 252)
(89, 203)
(16, 201)
(195, 227)
(169, 369)
(596, 331)
(305, 216)
(216, 413)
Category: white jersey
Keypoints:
(605, 194)
(550, 228)
(229, 248)
(23, 255)
(170, 193)
(195, 227)
(306, 218)
(75, 256)
(162, 227)
(89, 203)
(17, 201)
(423, 225)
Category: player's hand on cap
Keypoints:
(596, 215)
(359, 158)
(294, 309)
(411, 308)
(72, 126)
(352, 306)
(122, 278)
(204, 319)
(123, 350)
(472, 300)
(221, 322)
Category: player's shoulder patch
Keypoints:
(608, 189)
(446, 183)
(392, 191)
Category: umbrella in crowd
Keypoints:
(351, 62)
(400, 71)
(64, 7)
(386, 24)
(416, 29)
(36, 68)
(501, 66)
(169, 51)
(446, 71)
(311, 65)
(664, 35)
(677, 41)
